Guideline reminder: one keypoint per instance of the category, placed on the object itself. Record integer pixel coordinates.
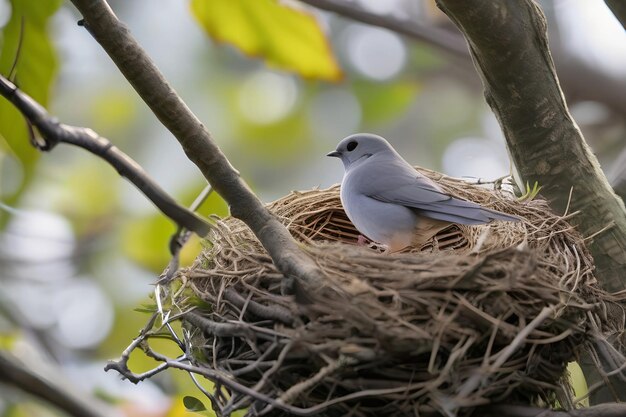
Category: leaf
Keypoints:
(384, 102)
(285, 37)
(89, 197)
(34, 73)
(530, 193)
(146, 239)
(193, 404)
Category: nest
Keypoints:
(479, 314)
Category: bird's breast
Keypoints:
(387, 223)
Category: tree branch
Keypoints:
(12, 372)
(618, 7)
(54, 132)
(201, 149)
(598, 86)
(452, 43)
(508, 42)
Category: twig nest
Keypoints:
(479, 314)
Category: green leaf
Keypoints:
(384, 102)
(34, 73)
(285, 37)
(193, 404)
(89, 197)
(530, 193)
(146, 240)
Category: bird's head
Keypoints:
(358, 147)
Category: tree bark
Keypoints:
(618, 7)
(196, 141)
(508, 42)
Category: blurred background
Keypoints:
(80, 247)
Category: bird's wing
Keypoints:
(412, 189)
(399, 183)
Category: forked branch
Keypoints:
(196, 141)
(54, 133)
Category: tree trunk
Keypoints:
(508, 42)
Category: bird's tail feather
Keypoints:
(464, 212)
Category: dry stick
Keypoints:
(292, 393)
(268, 312)
(199, 146)
(501, 357)
(54, 133)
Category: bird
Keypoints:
(391, 203)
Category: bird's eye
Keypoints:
(351, 146)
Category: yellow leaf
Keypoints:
(578, 381)
(286, 38)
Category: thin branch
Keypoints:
(196, 141)
(14, 373)
(452, 43)
(267, 312)
(16, 59)
(180, 237)
(54, 133)
(579, 80)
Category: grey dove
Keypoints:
(391, 203)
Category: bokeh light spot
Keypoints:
(474, 157)
(85, 315)
(5, 12)
(376, 53)
(266, 97)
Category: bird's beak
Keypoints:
(335, 154)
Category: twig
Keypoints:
(54, 133)
(268, 312)
(180, 237)
(18, 51)
(217, 329)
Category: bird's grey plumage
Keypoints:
(387, 199)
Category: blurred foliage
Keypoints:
(423, 109)
(579, 384)
(28, 57)
(146, 240)
(284, 37)
(114, 112)
(384, 102)
(89, 196)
